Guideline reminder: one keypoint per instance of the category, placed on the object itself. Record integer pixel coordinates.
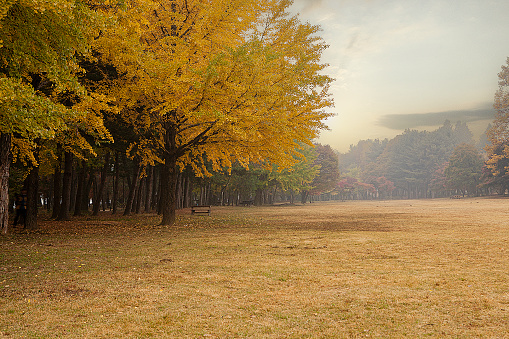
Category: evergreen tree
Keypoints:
(464, 169)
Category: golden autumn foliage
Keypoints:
(217, 81)
(198, 82)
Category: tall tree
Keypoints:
(498, 135)
(218, 81)
(39, 40)
(328, 175)
(464, 169)
(299, 177)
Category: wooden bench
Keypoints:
(201, 209)
(247, 203)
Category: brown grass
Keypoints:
(391, 269)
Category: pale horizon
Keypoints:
(409, 64)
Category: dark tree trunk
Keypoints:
(115, 184)
(155, 188)
(169, 176)
(304, 196)
(189, 200)
(74, 188)
(132, 189)
(80, 189)
(57, 184)
(179, 191)
(139, 196)
(210, 197)
(99, 193)
(185, 197)
(94, 190)
(5, 164)
(103, 201)
(168, 197)
(48, 194)
(32, 195)
(148, 188)
(86, 195)
(160, 192)
(66, 187)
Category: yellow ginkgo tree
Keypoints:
(216, 82)
(39, 45)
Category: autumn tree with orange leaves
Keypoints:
(216, 82)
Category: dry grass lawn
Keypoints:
(389, 269)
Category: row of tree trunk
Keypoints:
(75, 182)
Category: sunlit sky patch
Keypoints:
(409, 63)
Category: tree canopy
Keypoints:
(219, 82)
(413, 161)
(40, 43)
(187, 84)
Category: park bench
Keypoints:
(456, 197)
(201, 209)
(247, 203)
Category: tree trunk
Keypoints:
(160, 192)
(304, 196)
(169, 176)
(86, 194)
(115, 184)
(258, 200)
(74, 188)
(5, 163)
(188, 189)
(132, 190)
(32, 195)
(80, 189)
(139, 196)
(179, 191)
(66, 187)
(155, 188)
(99, 193)
(57, 184)
(148, 189)
(168, 197)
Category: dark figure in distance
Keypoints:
(21, 207)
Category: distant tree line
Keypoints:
(414, 164)
(441, 163)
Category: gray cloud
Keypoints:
(404, 121)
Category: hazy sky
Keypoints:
(409, 63)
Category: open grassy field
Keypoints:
(390, 269)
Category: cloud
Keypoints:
(310, 5)
(404, 121)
